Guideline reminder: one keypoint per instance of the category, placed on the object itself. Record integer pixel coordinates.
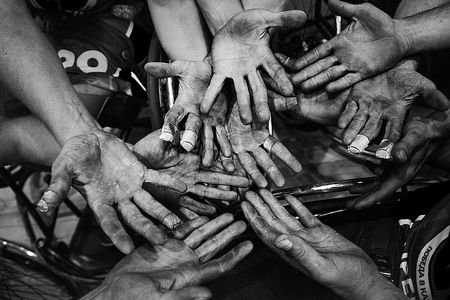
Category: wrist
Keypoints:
(405, 36)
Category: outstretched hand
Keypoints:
(239, 49)
(253, 145)
(108, 175)
(370, 45)
(385, 99)
(421, 135)
(186, 167)
(169, 270)
(193, 78)
(314, 248)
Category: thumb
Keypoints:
(287, 19)
(164, 70)
(280, 103)
(189, 293)
(59, 187)
(434, 98)
(298, 249)
(413, 137)
(342, 9)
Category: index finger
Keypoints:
(164, 180)
(214, 88)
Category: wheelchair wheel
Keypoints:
(24, 276)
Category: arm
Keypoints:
(33, 72)
(427, 30)
(180, 29)
(217, 13)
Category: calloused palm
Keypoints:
(368, 46)
(239, 48)
(186, 167)
(252, 144)
(109, 176)
(312, 247)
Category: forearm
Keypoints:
(426, 31)
(218, 12)
(409, 8)
(27, 140)
(33, 72)
(180, 29)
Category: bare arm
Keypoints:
(32, 71)
(180, 29)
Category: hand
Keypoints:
(385, 99)
(421, 135)
(193, 77)
(239, 49)
(246, 141)
(314, 248)
(102, 168)
(320, 107)
(178, 264)
(215, 121)
(168, 160)
(367, 47)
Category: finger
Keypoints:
(373, 126)
(386, 188)
(155, 209)
(214, 88)
(342, 9)
(365, 187)
(190, 134)
(218, 267)
(278, 74)
(186, 213)
(170, 127)
(243, 99)
(111, 226)
(413, 137)
(213, 193)
(164, 70)
(279, 211)
(314, 69)
(281, 103)
(259, 94)
(324, 77)
(186, 228)
(359, 144)
(209, 229)
(285, 61)
(227, 162)
(298, 249)
(305, 216)
(265, 212)
(213, 245)
(391, 136)
(346, 117)
(357, 123)
(220, 178)
(249, 165)
(434, 98)
(343, 83)
(266, 233)
(272, 145)
(164, 180)
(311, 57)
(223, 141)
(196, 206)
(208, 146)
(140, 224)
(266, 163)
(188, 293)
(288, 19)
(60, 183)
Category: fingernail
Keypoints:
(385, 149)
(172, 221)
(42, 205)
(402, 155)
(284, 244)
(291, 103)
(166, 136)
(360, 143)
